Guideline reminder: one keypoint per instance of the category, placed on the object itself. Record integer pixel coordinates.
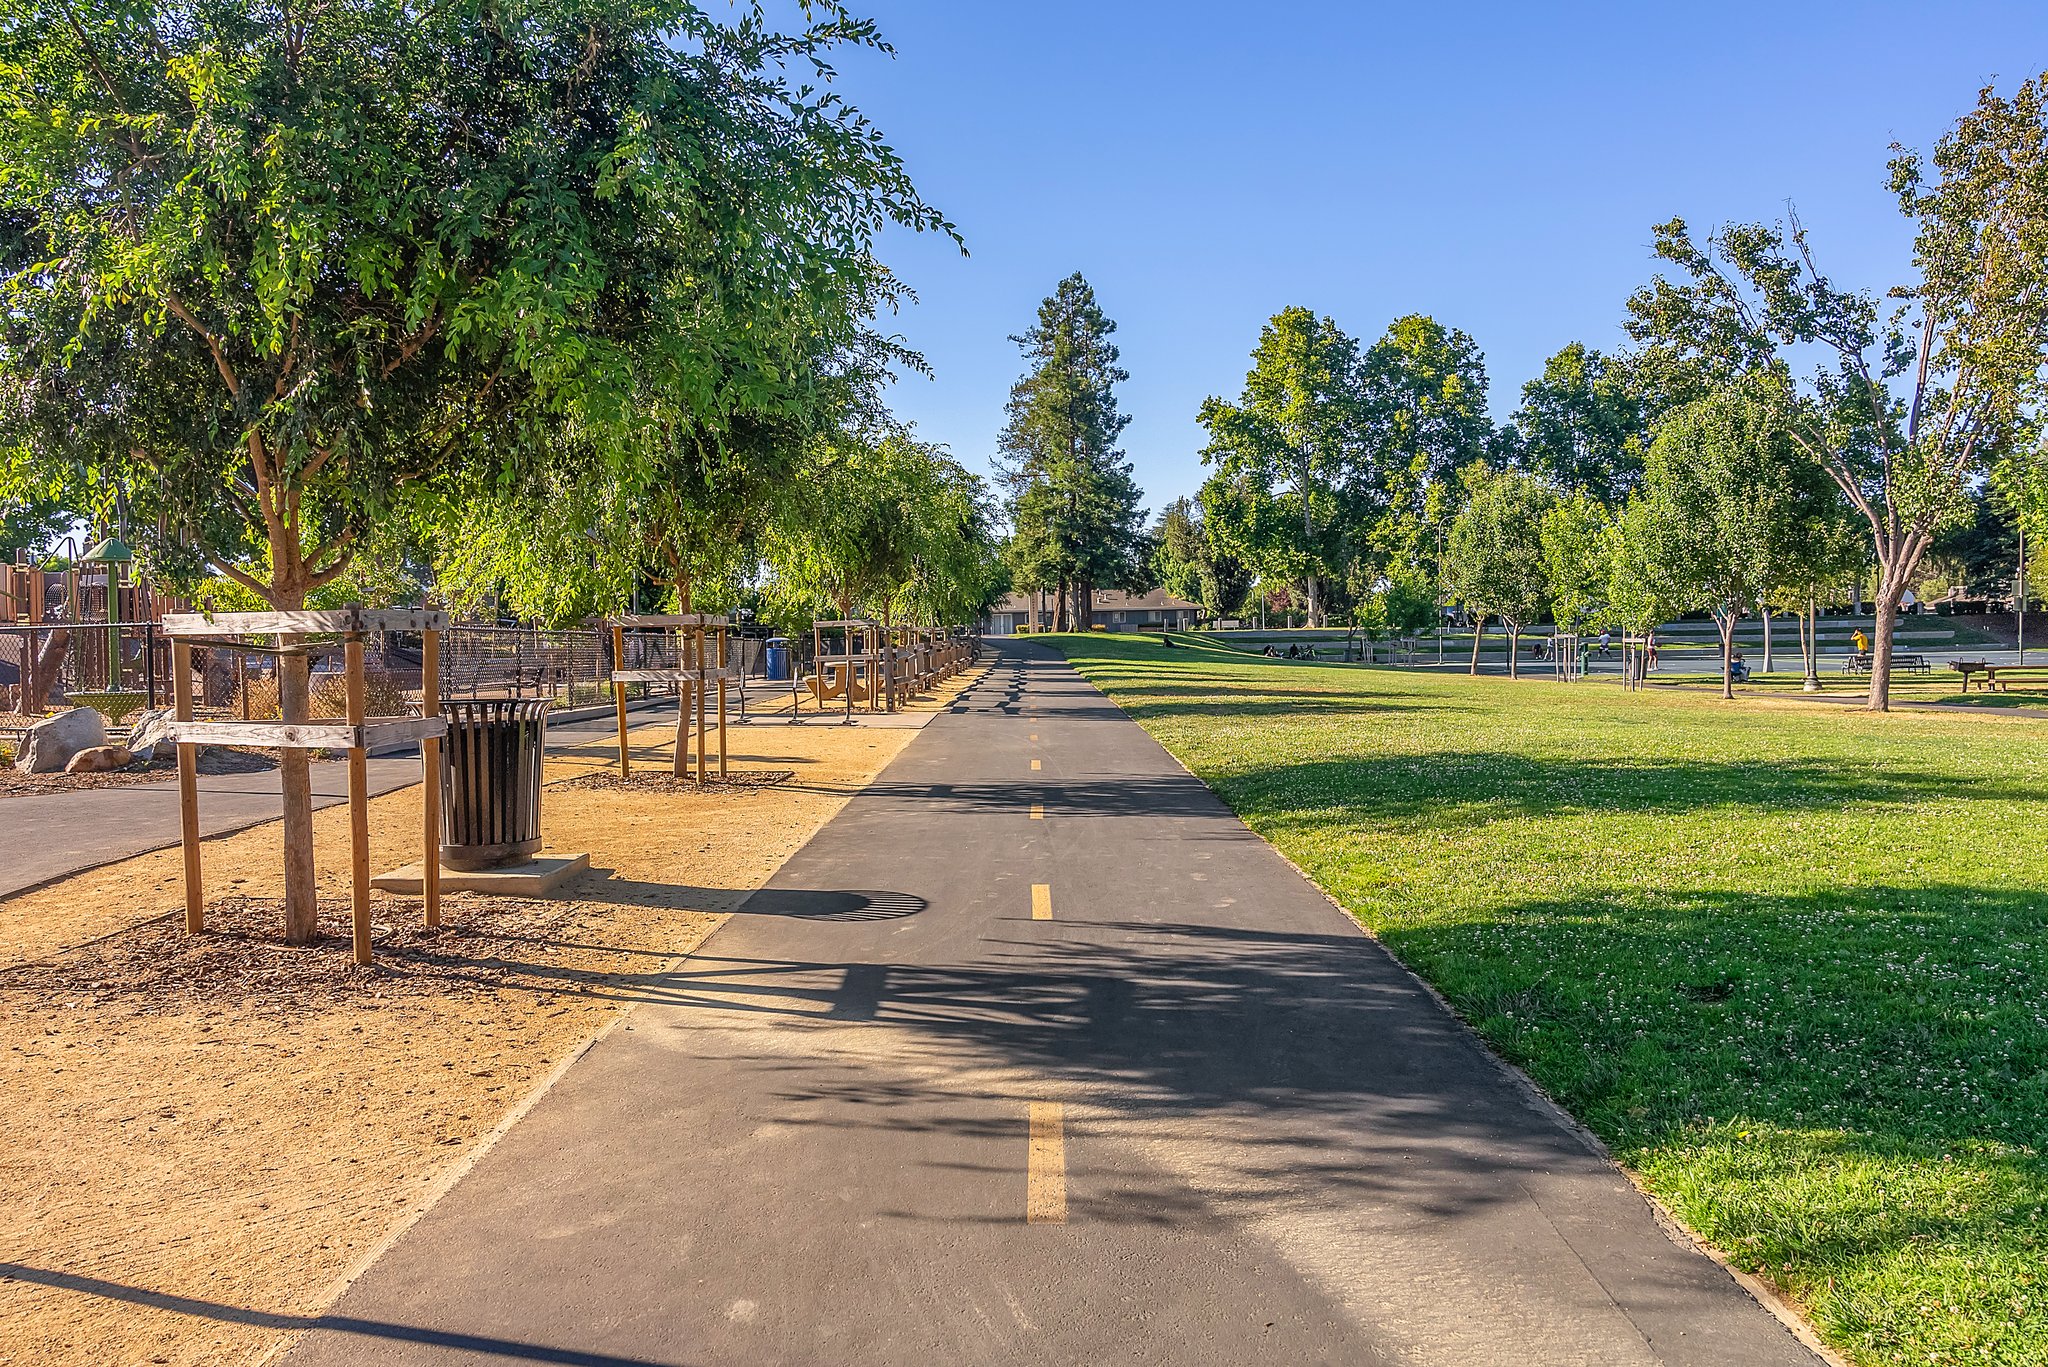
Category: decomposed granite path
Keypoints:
(1036, 1054)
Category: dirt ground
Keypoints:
(215, 759)
(201, 1140)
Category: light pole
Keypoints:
(2019, 596)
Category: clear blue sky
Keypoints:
(1497, 166)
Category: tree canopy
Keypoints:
(1909, 409)
(1073, 501)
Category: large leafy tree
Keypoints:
(1735, 507)
(1581, 426)
(1495, 561)
(1288, 454)
(888, 525)
(275, 267)
(1425, 393)
(1912, 407)
(1190, 564)
(1073, 501)
(1574, 536)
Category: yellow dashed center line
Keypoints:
(1034, 735)
(1034, 764)
(1041, 901)
(1045, 1186)
(1038, 811)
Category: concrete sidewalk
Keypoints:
(1036, 1054)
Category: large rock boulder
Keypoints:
(100, 759)
(149, 730)
(51, 742)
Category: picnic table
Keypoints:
(1989, 670)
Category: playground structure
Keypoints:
(81, 636)
(701, 660)
(356, 735)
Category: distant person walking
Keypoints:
(1862, 642)
(1606, 642)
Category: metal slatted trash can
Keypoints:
(491, 771)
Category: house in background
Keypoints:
(1114, 611)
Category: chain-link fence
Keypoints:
(123, 669)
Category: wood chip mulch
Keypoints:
(739, 780)
(484, 944)
(213, 759)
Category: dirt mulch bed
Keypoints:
(483, 945)
(214, 759)
(739, 780)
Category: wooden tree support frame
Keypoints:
(356, 736)
(853, 673)
(703, 669)
(883, 666)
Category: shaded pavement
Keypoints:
(1052, 1065)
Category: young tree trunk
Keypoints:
(1313, 617)
(295, 778)
(1514, 649)
(1764, 611)
(1888, 594)
(1726, 621)
(1478, 630)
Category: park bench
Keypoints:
(1901, 664)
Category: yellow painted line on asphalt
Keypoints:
(1038, 811)
(1045, 1184)
(1041, 901)
(1034, 764)
(1034, 735)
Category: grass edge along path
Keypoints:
(1787, 962)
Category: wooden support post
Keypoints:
(721, 703)
(430, 760)
(701, 691)
(619, 698)
(358, 802)
(188, 791)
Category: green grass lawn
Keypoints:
(1789, 961)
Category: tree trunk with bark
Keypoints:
(1514, 650)
(295, 779)
(1887, 605)
(1764, 611)
(1478, 630)
(1726, 621)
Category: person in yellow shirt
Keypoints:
(1862, 642)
